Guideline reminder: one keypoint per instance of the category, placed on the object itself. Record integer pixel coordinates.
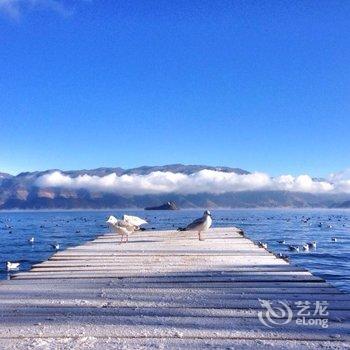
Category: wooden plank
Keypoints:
(159, 266)
(167, 327)
(9, 311)
(169, 279)
(175, 342)
(161, 300)
(212, 273)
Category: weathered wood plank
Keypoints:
(127, 311)
(142, 278)
(167, 327)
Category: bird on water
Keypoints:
(262, 245)
(312, 244)
(55, 246)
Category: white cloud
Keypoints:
(302, 183)
(341, 180)
(15, 8)
(199, 182)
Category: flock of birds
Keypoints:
(304, 246)
(295, 248)
(129, 224)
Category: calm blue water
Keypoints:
(331, 260)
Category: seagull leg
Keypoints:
(200, 236)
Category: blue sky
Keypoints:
(259, 85)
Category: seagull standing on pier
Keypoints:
(200, 225)
(134, 221)
(124, 227)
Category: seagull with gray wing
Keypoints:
(200, 225)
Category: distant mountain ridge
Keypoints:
(142, 170)
(4, 175)
(22, 192)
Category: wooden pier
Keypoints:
(167, 290)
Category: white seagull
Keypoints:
(124, 227)
(31, 240)
(135, 221)
(12, 265)
(200, 225)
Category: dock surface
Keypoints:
(168, 290)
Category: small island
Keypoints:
(165, 206)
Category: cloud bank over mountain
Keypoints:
(190, 186)
(203, 181)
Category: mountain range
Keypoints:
(22, 192)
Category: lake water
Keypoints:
(330, 260)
